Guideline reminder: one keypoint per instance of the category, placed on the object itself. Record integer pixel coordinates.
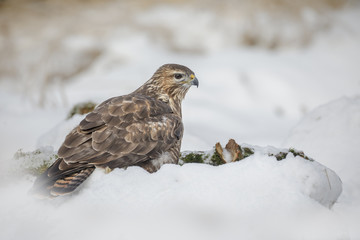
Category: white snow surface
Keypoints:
(194, 201)
(331, 134)
(252, 95)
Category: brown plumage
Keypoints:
(143, 128)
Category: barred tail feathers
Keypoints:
(70, 183)
(46, 186)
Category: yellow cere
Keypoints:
(192, 76)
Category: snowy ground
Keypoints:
(254, 96)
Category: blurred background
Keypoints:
(262, 64)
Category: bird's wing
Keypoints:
(120, 132)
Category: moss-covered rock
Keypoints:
(235, 152)
(300, 153)
(246, 151)
(35, 162)
(216, 159)
(283, 154)
(193, 158)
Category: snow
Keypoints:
(331, 134)
(253, 95)
(193, 200)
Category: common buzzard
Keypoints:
(143, 128)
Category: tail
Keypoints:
(55, 182)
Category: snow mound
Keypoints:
(298, 174)
(331, 134)
(258, 176)
(334, 131)
(197, 201)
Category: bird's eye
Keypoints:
(178, 76)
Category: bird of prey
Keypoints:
(143, 128)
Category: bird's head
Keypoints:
(171, 82)
(177, 76)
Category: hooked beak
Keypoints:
(195, 82)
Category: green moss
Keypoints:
(246, 152)
(193, 158)
(280, 156)
(35, 162)
(81, 108)
(38, 170)
(300, 153)
(216, 160)
(292, 150)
